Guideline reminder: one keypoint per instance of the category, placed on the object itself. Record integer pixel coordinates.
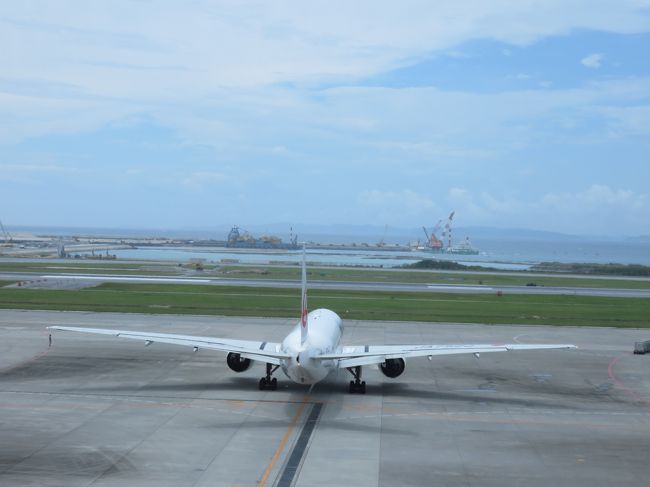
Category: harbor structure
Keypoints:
(241, 239)
(437, 245)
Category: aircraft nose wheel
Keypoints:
(357, 385)
(267, 382)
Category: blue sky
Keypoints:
(156, 114)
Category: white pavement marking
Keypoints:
(128, 278)
(460, 287)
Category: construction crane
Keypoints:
(432, 239)
(447, 231)
(436, 229)
(6, 235)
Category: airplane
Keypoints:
(313, 350)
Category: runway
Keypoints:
(71, 281)
(97, 411)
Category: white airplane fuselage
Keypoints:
(325, 332)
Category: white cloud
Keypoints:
(597, 198)
(405, 199)
(81, 65)
(395, 207)
(439, 125)
(481, 207)
(600, 210)
(203, 179)
(597, 210)
(25, 116)
(165, 50)
(36, 168)
(629, 119)
(592, 61)
(32, 174)
(242, 83)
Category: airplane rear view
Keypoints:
(313, 350)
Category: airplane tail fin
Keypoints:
(303, 304)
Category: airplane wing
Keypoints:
(262, 351)
(371, 354)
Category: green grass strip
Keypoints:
(423, 277)
(361, 305)
(324, 274)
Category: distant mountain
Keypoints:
(639, 239)
(516, 234)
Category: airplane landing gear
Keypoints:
(357, 385)
(268, 382)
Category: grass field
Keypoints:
(245, 301)
(367, 275)
(322, 274)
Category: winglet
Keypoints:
(303, 304)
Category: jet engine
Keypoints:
(392, 367)
(236, 363)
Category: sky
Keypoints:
(162, 114)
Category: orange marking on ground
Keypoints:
(283, 443)
(235, 403)
(362, 408)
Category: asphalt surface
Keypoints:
(69, 281)
(99, 411)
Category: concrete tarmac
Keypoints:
(100, 411)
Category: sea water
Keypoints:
(502, 254)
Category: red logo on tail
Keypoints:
(303, 317)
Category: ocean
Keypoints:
(501, 253)
(504, 253)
